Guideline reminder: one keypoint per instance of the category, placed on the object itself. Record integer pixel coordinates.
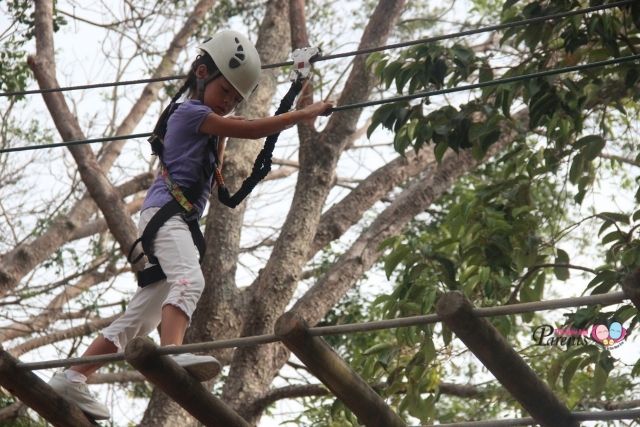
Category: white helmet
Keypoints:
(236, 58)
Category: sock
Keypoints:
(75, 376)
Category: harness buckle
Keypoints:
(194, 215)
(302, 62)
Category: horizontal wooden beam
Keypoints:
(179, 385)
(335, 373)
(493, 350)
(38, 395)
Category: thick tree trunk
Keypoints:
(252, 369)
(222, 306)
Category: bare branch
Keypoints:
(97, 183)
(364, 251)
(619, 159)
(318, 390)
(277, 280)
(77, 331)
(54, 308)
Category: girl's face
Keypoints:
(221, 96)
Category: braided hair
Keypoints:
(190, 84)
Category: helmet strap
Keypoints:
(201, 84)
(200, 89)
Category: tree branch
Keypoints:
(274, 287)
(102, 191)
(17, 263)
(343, 275)
(317, 390)
(54, 308)
(620, 159)
(77, 331)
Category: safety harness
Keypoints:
(184, 199)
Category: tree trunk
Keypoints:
(221, 308)
(252, 369)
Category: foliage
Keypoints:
(502, 233)
(14, 72)
(507, 232)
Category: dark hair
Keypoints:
(190, 83)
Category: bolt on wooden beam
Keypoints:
(335, 373)
(38, 395)
(493, 350)
(631, 287)
(179, 385)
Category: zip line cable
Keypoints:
(433, 39)
(78, 142)
(425, 94)
(529, 307)
(495, 82)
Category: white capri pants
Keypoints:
(178, 257)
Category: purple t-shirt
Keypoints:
(185, 149)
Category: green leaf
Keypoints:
(390, 72)
(614, 217)
(636, 369)
(562, 258)
(423, 409)
(554, 372)
(604, 226)
(578, 166)
(613, 236)
(600, 376)
(447, 335)
(429, 350)
(378, 348)
(394, 258)
(569, 372)
(373, 58)
(594, 147)
(439, 150)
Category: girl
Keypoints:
(226, 73)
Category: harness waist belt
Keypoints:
(154, 273)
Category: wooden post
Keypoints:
(335, 373)
(178, 384)
(491, 348)
(37, 394)
(631, 287)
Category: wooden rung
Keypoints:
(493, 350)
(335, 373)
(631, 287)
(178, 384)
(37, 394)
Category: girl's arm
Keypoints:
(214, 124)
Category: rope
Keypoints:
(497, 27)
(425, 94)
(495, 82)
(78, 142)
(603, 299)
(262, 164)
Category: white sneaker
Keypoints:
(78, 393)
(202, 368)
